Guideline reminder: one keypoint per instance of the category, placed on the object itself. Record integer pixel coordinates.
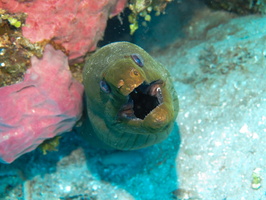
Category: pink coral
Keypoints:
(47, 103)
(77, 25)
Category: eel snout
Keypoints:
(142, 100)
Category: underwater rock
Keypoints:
(47, 103)
(242, 7)
(76, 25)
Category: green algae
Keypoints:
(143, 8)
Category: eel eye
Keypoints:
(105, 87)
(137, 59)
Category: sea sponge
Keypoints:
(76, 25)
(47, 103)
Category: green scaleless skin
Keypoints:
(110, 120)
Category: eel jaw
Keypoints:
(142, 101)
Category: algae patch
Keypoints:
(143, 8)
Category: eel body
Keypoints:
(130, 99)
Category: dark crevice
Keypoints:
(142, 100)
(143, 103)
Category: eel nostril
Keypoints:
(134, 73)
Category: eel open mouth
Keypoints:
(142, 100)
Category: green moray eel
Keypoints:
(130, 99)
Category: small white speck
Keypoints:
(68, 188)
(94, 187)
(257, 170)
(210, 154)
(6, 137)
(202, 176)
(198, 157)
(217, 143)
(255, 136)
(244, 129)
(34, 76)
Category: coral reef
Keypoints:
(15, 50)
(219, 73)
(47, 103)
(76, 25)
(238, 6)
